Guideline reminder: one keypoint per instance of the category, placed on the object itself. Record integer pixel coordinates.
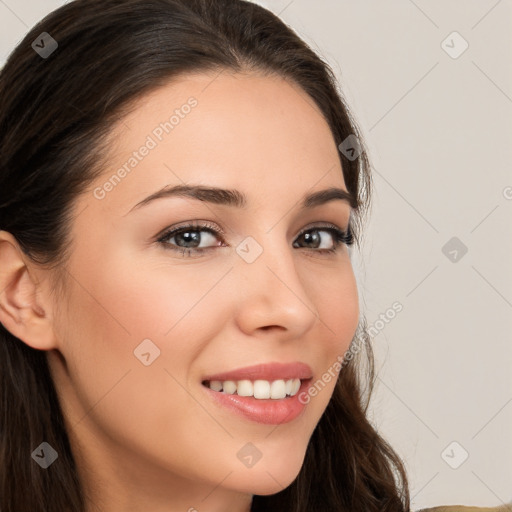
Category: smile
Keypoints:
(265, 393)
(259, 389)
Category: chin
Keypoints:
(271, 487)
(264, 485)
(268, 479)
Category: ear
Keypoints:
(23, 311)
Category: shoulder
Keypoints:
(461, 508)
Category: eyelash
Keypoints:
(339, 237)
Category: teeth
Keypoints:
(295, 387)
(244, 388)
(259, 389)
(229, 387)
(216, 385)
(278, 389)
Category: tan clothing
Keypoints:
(461, 508)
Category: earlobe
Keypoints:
(20, 312)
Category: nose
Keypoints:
(270, 294)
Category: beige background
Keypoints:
(439, 131)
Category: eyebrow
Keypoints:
(237, 199)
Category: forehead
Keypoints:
(246, 131)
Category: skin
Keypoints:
(149, 437)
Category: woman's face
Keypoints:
(148, 317)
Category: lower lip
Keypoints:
(268, 411)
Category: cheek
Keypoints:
(113, 307)
(337, 301)
(136, 298)
(116, 304)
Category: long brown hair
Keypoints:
(56, 112)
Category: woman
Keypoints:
(180, 184)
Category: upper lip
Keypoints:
(266, 371)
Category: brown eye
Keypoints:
(192, 238)
(316, 238)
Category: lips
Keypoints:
(265, 371)
(282, 406)
(264, 411)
